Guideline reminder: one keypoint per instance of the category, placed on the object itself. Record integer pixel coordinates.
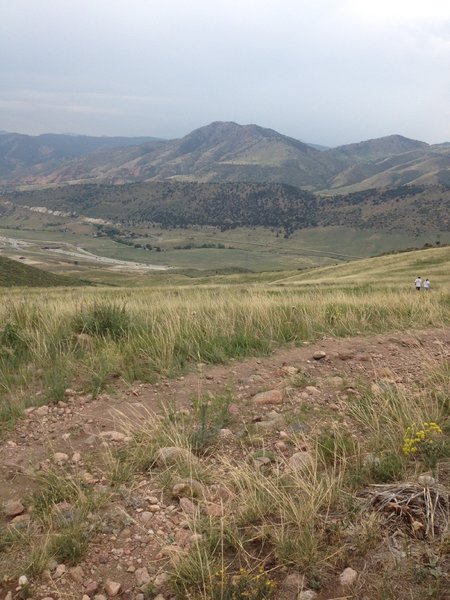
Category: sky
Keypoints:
(324, 71)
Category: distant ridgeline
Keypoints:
(16, 274)
(174, 204)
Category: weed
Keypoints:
(104, 320)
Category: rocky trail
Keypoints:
(143, 527)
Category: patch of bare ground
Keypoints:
(92, 470)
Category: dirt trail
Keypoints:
(77, 424)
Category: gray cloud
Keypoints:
(331, 72)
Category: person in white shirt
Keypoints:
(426, 285)
(418, 283)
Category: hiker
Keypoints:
(418, 283)
(426, 285)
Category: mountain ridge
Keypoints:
(228, 152)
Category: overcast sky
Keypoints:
(324, 71)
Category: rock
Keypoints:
(426, 480)
(146, 518)
(348, 577)
(307, 595)
(91, 587)
(69, 392)
(23, 581)
(336, 381)
(234, 409)
(291, 585)
(99, 597)
(214, 510)
(9, 596)
(311, 389)
(60, 458)
(13, 508)
(20, 519)
(190, 488)
(112, 588)
(76, 573)
(346, 354)
(188, 507)
(225, 433)
(159, 597)
(219, 493)
(41, 411)
(171, 455)
(142, 576)
(60, 570)
(114, 436)
(319, 355)
(376, 389)
(269, 397)
(161, 579)
(76, 458)
(300, 461)
(281, 446)
(291, 371)
(362, 357)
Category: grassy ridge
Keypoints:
(395, 271)
(13, 273)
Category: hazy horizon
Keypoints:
(329, 73)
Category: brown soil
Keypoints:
(76, 424)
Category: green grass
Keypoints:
(13, 273)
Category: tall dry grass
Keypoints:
(141, 334)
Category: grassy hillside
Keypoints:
(14, 274)
(396, 271)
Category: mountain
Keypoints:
(227, 152)
(21, 154)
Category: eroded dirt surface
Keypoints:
(79, 426)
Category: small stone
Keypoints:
(426, 480)
(300, 461)
(172, 455)
(41, 411)
(348, 577)
(113, 436)
(85, 597)
(187, 487)
(161, 579)
(188, 506)
(146, 517)
(336, 381)
(269, 397)
(311, 389)
(99, 597)
(76, 573)
(319, 355)
(292, 584)
(159, 597)
(225, 433)
(112, 588)
(142, 576)
(307, 595)
(60, 570)
(69, 392)
(281, 446)
(13, 508)
(23, 581)
(91, 587)
(60, 458)
(76, 458)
